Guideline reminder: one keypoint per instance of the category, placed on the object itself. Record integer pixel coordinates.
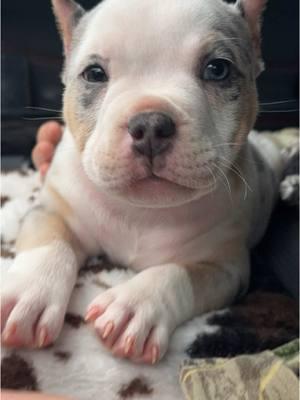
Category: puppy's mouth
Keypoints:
(155, 180)
(160, 183)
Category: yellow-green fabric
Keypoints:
(269, 375)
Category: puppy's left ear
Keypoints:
(67, 13)
(252, 11)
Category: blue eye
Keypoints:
(94, 74)
(217, 70)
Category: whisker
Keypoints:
(211, 172)
(226, 181)
(44, 109)
(227, 38)
(278, 102)
(238, 172)
(42, 118)
(278, 111)
(229, 144)
(245, 157)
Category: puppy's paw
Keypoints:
(29, 317)
(136, 319)
(33, 302)
(132, 323)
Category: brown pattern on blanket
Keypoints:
(17, 373)
(137, 386)
(7, 253)
(7, 249)
(4, 200)
(97, 265)
(62, 355)
(261, 321)
(74, 320)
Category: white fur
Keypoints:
(190, 217)
(36, 298)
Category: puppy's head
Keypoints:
(160, 95)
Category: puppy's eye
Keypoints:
(217, 70)
(94, 74)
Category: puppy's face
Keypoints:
(159, 95)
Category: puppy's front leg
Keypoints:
(136, 319)
(37, 288)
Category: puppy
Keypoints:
(156, 169)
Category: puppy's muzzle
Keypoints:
(152, 133)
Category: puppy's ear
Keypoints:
(252, 11)
(67, 13)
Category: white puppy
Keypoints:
(155, 169)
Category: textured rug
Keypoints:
(79, 367)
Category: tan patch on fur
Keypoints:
(204, 277)
(246, 116)
(224, 274)
(61, 206)
(41, 228)
(80, 127)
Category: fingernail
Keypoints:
(10, 331)
(42, 337)
(128, 345)
(108, 329)
(154, 354)
(92, 314)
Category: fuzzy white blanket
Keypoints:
(79, 367)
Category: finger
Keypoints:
(51, 131)
(42, 153)
(44, 169)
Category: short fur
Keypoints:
(189, 230)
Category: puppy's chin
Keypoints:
(154, 192)
(142, 188)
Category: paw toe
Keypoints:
(49, 326)
(112, 323)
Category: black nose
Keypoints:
(152, 132)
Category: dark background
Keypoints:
(32, 61)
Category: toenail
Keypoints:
(10, 331)
(42, 337)
(154, 353)
(128, 345)
(108, 330)
(92, 314)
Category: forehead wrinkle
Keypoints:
(94, 59)
(237, 34)
(226, 47)
(222, 52)
(105, 36)
(173, 18)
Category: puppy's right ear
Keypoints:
(67, 13)
(252, 11)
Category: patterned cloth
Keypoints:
(264, 376)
